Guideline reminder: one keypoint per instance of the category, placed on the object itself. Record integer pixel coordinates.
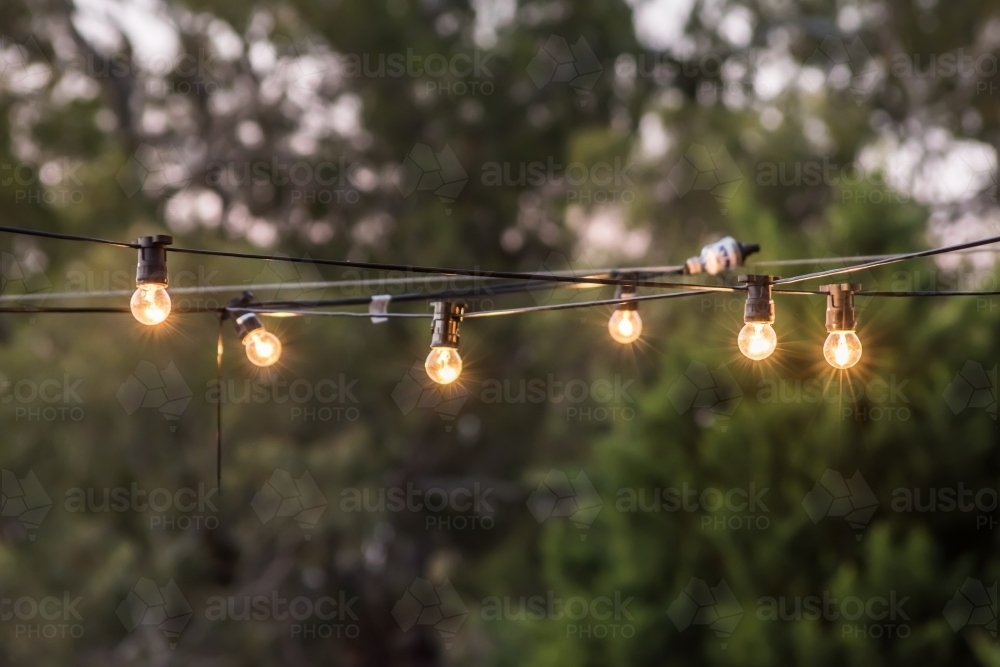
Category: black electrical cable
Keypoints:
(63, 309)
(929, 293)
(338, 313)
(477, 313)
(617, 277)
(307, 308)
(513, 275)
(66, 237)
(477, 273)
(99, 309)
(889, 260)
(461, 293)
(581, 304)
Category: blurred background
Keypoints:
(572, 501)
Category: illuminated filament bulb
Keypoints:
(757, 340)
(443, 365)
(842, 349)
(150, 303)
(263, 347)
(625, 326)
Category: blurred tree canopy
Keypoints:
(506, 135)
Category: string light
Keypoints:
(263, 347)
(444, 363)
(625, 324)
(842, 348)
(757, 339)
(150, 303)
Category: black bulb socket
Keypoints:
(152, 267)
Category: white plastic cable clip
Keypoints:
(379, 305)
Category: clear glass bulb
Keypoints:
(757, 340)
(625, 326)
(263, 348)
(443, 365)
(150, 304)
(842, 349)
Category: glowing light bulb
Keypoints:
(263, 348)
(150, 304)
(842, 349)
(625, 326)
(757, 340)
(443, 365)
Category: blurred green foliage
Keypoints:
(64, 155)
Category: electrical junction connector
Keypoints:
(723, 255)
